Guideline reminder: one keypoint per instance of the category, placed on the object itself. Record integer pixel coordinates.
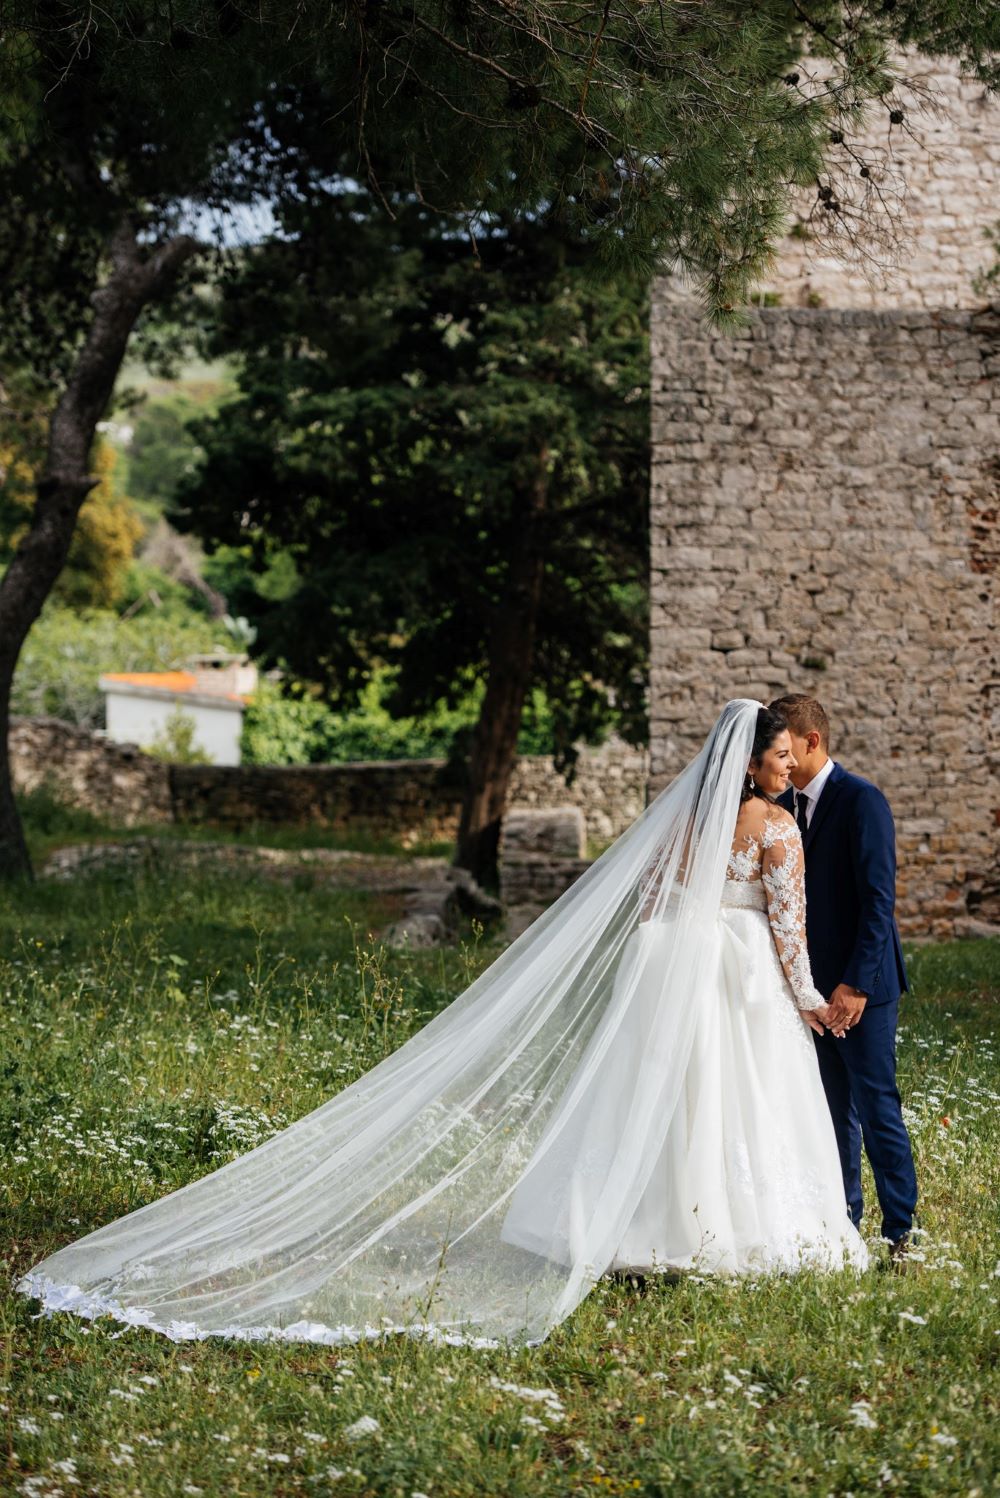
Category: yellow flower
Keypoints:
(253, 1373)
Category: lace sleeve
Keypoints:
(783, 873)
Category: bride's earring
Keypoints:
(753, 783)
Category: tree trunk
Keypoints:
(136, 276)
(510, 659)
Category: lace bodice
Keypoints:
(773, 858)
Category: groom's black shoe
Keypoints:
(899, 1254)
(900, 1261)
(629, 1278)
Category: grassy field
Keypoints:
(148, 1032)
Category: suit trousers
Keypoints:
(859, 1075)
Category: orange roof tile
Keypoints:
(167, 681)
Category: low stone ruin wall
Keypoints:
(116, 782)
(409, 801)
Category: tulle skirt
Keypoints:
(748, 1179)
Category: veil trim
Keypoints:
(54, 1298)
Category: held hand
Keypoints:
(847, 1005)
(814, 1018)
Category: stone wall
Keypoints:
(825, 502)
(413, 800)
(826, 487)
(609, 787)
(408, 800)
(115, 781)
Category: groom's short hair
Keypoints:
(803, 715)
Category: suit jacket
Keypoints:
(850, 849)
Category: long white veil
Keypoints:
(476, 1183)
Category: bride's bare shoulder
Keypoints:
(757, 814)
(757, 809)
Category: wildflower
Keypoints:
(910, 1315)
(253, 1373)
(544, 1396)
(942, 1438)
(29, 1427)
(861, 1414)
(366, 1426)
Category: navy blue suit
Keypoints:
(850, 851)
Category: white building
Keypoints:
(203, 700)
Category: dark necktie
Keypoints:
(801, 807)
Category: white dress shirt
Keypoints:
(813, 791)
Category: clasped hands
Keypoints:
(845, 1008)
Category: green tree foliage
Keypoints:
(103, 546)
(450, 441)
(162, 452)
(654, 132)
(108, 528)
(23, 420)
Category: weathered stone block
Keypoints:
(561, 830)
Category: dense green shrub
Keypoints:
(286, 726)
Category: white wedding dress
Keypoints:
(628, 1084)
(748, 1179)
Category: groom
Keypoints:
(857, 963)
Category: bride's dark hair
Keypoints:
(769, 725)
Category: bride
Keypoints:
(631, 1085)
